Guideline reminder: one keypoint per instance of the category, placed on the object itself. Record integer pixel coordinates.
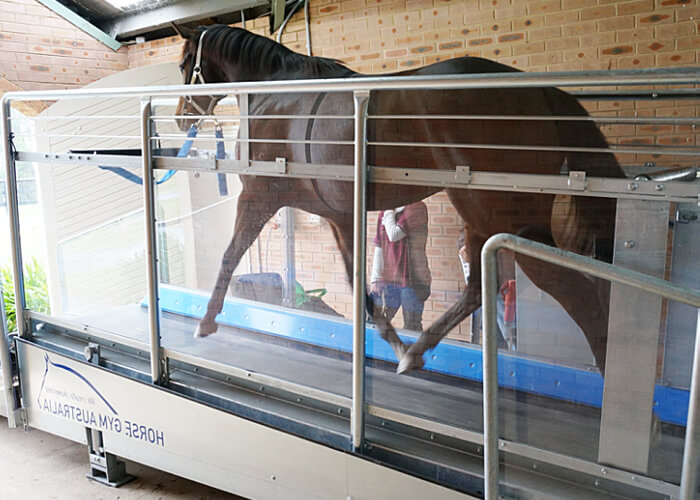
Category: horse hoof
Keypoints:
(204, 330)
(410, 362)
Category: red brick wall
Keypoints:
(40, 50)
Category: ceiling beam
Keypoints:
(183, 12)
(81, 23)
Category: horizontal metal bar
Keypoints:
(681, 192)
(653, 94)
(593, 267)
(655, 76)
(81, 136)
(254, 141)
(252, 117)
(82, 159)
(605, 187)
(596, 119)
(90, 331)
(527, 451)
(691, 151)
(260, 378)
(425, 424)
(590, 468)
(74, 117)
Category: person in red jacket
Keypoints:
(400, 276)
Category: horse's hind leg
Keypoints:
(584, 298)
(342, 228)
(469, 302)
(250, 219)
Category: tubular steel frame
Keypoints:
(576, 183)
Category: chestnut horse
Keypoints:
(579, 224)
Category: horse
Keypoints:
(584, 225)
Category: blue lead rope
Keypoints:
(184, 151)
(220, 155)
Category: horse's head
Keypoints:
(197, 66)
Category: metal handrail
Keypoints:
(651, 284)
(682, 76)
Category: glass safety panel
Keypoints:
(81, 225)
(576, 378)
(249, 285)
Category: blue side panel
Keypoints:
(451, 358)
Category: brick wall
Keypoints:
(379, 36)
(39, 50)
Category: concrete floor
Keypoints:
(36, 465)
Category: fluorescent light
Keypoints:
(122, 4)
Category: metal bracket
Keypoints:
(686, 216)
(577, 180)
(463, 174)
(105, 468)
(92, 353)
(281, 165)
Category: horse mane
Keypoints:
(259, 58)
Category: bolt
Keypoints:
(603, 470)
(632, 186)
(659, 187)
(629, 243)
(432, 437)
(273, 477)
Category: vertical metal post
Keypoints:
(489, 287)
(691, 450)
(243, 129)
(157, 371)
(289, 256)
(6, 365)
(357, 415)
(641, 238)
(13, 213)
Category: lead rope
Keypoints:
(183, 153)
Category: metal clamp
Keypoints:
(281, 165)
(577, 180)
(463, 174)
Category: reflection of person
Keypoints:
(505, 303)
(400, 274)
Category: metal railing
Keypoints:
(489, 285)
(360, 172)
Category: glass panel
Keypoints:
(286, 309)
(83, 238)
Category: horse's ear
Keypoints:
(183, 31)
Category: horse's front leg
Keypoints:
(469, 302)
(250, 219)
(343, 232)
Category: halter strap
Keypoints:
(197, 68)
(197, 75)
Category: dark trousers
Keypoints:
(404, 298)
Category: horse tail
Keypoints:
(583, 224)
(585, 134)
